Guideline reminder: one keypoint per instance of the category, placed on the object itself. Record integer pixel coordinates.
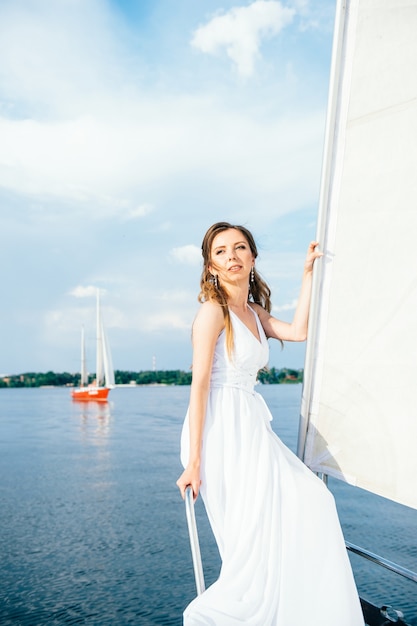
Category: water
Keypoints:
(93, 530)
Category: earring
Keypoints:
(252, 274)
(215, 282)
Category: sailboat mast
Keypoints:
(99, 344)
(84, 380)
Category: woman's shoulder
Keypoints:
(208, 324)
(210, 311)
(209, 318)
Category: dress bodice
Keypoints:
(249, 355)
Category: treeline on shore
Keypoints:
(270, 376)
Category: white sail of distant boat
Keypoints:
(359, 414)
(104, 368)
(84, 373)
(107, 360)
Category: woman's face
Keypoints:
(231, 256)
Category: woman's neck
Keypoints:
(238, 299)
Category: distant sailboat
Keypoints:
(99, 389)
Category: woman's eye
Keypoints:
(219, 252)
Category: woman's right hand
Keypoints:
(189, 478)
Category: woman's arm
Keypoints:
(297, 329)
(207, 326)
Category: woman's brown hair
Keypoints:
(212, 290)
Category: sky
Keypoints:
(127, 128)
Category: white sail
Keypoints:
(107, 360)
(359, 411)
(84, 373)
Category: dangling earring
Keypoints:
(215, 282)
(252, 274)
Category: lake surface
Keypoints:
(93, 529)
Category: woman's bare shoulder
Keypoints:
(210, 311)
(210, 317)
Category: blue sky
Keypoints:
(126, 129)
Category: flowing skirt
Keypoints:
(284, 561)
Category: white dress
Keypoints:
(284, 562)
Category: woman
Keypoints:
(284, 562)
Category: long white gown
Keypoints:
(284, 562)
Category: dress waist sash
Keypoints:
(244, 383)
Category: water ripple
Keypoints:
(93, 529)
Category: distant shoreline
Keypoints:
(125, 378)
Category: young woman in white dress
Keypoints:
(284, 561)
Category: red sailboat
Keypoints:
(98, 391)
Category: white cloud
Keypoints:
(84, 292)
(54, 53)
(141, 211)
(101, 165)
(102, 150)
(240, 31)
(166, 321)
(189, 254)
(289, 306)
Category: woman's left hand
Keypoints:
(312, 254)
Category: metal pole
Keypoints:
(310, 365)
(194, 543)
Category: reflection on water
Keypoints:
(95, 420)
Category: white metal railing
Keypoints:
(194, 543)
